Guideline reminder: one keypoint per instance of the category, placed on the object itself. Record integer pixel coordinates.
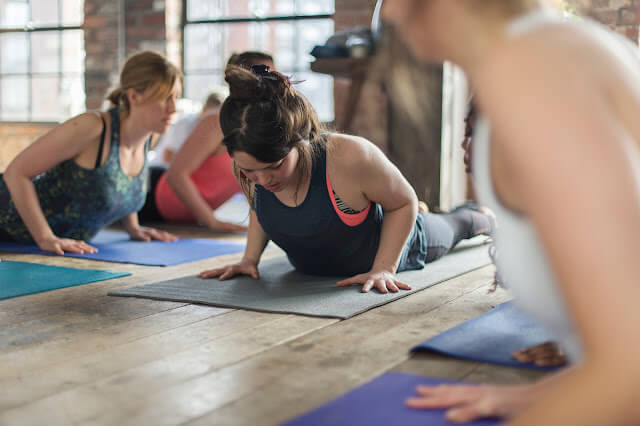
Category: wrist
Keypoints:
(45, 236)
(391, 269)
(249, 261)
(130, 229)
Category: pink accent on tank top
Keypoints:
(348, 219)
(214, 180)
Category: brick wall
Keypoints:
(102, 42)
(115, 30)
(622, 16)
(17, 136)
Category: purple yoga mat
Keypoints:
(491, 337)
(380, 402)
(117, 247)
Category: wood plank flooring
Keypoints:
(76, 356)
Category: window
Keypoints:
(286, 29)
(41, 59)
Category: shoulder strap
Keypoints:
(100, 148)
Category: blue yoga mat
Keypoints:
(381, 402)
(22, 278)
(492, 338)
(116, 246)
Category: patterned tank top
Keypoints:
(79, 202)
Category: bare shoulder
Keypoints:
(559, 64)
(564, 51)
(88, 124)
(349, 151)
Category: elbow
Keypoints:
(412, 204)
(11, 175)
(174, 177)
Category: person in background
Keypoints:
(199, 178)
(91, 170)
(179, 132)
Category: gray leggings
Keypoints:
(444, 231)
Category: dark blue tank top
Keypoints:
(79, 202)
(318, 242)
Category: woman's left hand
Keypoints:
(466, 403)
(384, 281)
(143, 233)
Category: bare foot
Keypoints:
(423, 207)
(547, 354)
(465, 403)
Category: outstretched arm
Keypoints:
(64, 142)
(203, 142)
(256, 242)
(378, 180)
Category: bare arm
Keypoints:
(202, 143)
(69, 140)
(380, 181)
(256, 242)
(167, 155)
(576, 169)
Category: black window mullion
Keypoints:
(30, 73)
(295, 17)
(29, 69)
(263, 19)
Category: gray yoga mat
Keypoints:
(282, 289)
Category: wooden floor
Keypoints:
(76, 356)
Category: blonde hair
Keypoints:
(143, 71)
(505, 8)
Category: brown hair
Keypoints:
(248, 58)
(266, 117)
(141, 72)
(213, 100)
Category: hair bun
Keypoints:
(243, 84)
(257, 83)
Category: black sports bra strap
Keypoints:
(100, 148)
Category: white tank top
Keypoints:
(521, 259)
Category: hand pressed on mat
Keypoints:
(465, 403)
(244, 267)
(384, 281)
(546, 354)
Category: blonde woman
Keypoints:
(557, 158)
(91, 170)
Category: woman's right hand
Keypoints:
(245, 267)
(61, 245)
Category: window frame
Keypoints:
(240, 20)
(60, 74)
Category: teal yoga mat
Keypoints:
(22, 278)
